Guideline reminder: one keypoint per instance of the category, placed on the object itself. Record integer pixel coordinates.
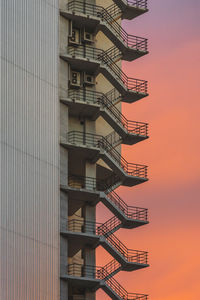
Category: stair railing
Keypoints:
(84, 182)
(114, 139)
(114, 53)
(89, 96)
(110, 225)
(90, 227)
(94, 140)
(136, 42)
(109, 270)
(142, 4)
(90, 183)
(132, 212)
(132, 84)
(114, 96)
(114, 11)
(100, 273)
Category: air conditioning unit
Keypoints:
(88, 37)
(89, 79)
(75, 37)
(75, 79)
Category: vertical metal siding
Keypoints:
(29, 150)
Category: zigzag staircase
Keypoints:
(127, 47)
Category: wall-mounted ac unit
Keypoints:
(75, 80)
(88, 37)
(75, 37)
(89, 79)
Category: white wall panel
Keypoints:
(29, 150)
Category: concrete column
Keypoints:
(89, 214)
(63, 290)
(63, 245)
(63, 196)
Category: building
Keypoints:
(62, 130)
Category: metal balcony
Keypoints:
(131, 9)
(126, 216)
(97, 18)
(82, 275)
(93, 104)
(92, 184)
(93, 147)
(98, 277)
(80, 190)
(93, 60)
(81, 233)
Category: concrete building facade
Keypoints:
(62, 129)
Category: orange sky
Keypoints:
(172, 154)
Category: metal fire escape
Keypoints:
(92, 147)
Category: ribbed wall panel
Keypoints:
(29, 150)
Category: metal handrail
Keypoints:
(111, 225)
(132, 256)
(98, 141)
(129, 40)
(101, 273)
(129, 255)
(91, 183)
(132, 212)
(122, 293)
(114, 138)
(75, 181)
(114, 53)
(111, 267)
(114, 96)
(114, 10)
(141, 4)
(83, 270)
(89, 96)
(131, 84)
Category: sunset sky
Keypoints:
(172, 154)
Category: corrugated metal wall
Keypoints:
(29, 150)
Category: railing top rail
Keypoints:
(96, 224)
(80, 133)
(92, 92)
(99, 184)
(114, 194)
(142, 4)
(81, 177)
(136, 3)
